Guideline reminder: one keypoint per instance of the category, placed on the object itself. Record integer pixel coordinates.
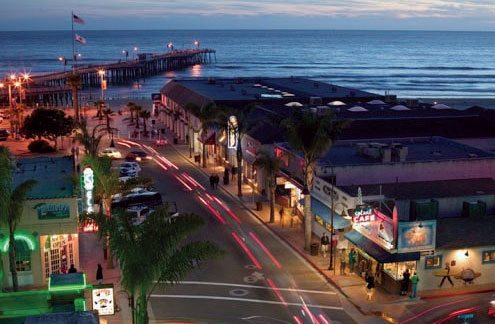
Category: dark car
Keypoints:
(4, 134)
(138, 155)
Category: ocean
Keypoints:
(407, 63)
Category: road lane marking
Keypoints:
(210, 283)
(248, 300)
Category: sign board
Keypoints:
(416, 236)
(103, 300)
(376, 226)
(232, 133)
(322, 190)
(88, 184)
(52, 211)
(363, 214)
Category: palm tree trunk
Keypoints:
(1, 273)
(142, 309)
(107, 205)
(308, 232)
(272, 202)
(75, 102)
(144, 125)
(239, 168)
(13, 269)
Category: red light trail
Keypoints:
(265, 249)
(248, 252)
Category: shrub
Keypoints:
(40, 146)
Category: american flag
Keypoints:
(80, 39)
(77, 19)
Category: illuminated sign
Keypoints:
(416, 236)
(89, 226)
(364, 215)
(52, 211)
(232, 132)
(103, 301)
(88, 186)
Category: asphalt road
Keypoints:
(258, 280)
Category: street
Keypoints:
(258, 280)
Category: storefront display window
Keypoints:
(488, 256)
(433, 262)
(58, 253)
(22, 256)
(395, 270)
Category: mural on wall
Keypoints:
(416, 236)
(467, 275)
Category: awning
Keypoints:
(290, 179)
(320, 209)
(377, 252)
(210, 140)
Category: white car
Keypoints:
(134, 166)
(111, 152)
(139, 213)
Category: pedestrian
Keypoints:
(414, 285)
(226, 176)
(233, 172)
(363, 267)
(99, 274)
(212, 181)
(72, 269)
(446, 276)
(324, 241)
(281, 213)
(370, 285)
(405, 282)
(216, 180)
(343, 260)
(352, 260)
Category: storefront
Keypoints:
(289, 193)
(386, 247)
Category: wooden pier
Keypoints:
(51, 89)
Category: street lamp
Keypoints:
(332, 194)
(170, 46)
(103, 84)
(196, 43)
(135, 52)
(126, 53)
(15, 81)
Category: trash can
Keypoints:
(314, 248)
(176, 140)
(259, 206)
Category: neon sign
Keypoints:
(88, 185)
(364, 215)
(232, 133)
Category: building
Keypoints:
(46, 237)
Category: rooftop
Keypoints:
(232, 90)
(464, 232)
(53, 174)
(426, 189)
(413, 149)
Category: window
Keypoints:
(433, 262)
(488, 256)
(22, 256)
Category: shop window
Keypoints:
(488, 256)
(397, 269)
(22, 256)
(433, 262)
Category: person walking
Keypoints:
(216, 180)
(281, 214)
(324, 241)
(99, 274)
(405, 282)
(414, 285)
(343, 260)
(352, 260)
(446, 276)
(212, 181)
(72, 269)
(233, 172)
(370, 285)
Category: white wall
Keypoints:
(427, 279)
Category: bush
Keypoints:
(40, 146)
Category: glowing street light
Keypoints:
(170, 46)
(196, 43)
(126, 53)
(103, 82)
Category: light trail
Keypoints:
(310, 314)
(246, 249)
(124, 144)
(188, 180)
(457, 314)
(131, 142)
(265, 249)
(167, 162)
(221, 203)
(432, 309)
(193, 180)
(185, 184)
(212, 210)
(297, 320)
(160, 164)
(323, 319)
(276, 291)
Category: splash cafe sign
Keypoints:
(88, 184)
(363, 214)
(375, 225)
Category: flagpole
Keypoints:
(73, 45)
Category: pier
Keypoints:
(51, 89)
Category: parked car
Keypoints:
(149, 198)
(139, 213)
(111, 152)
(130, 166)
(4, 134)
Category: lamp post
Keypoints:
(126, 53)
(196, 43)
(331, 266)
(16, 81)
(170, 46)
(134, 54)
(101, 73)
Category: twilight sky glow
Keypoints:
(251, 14)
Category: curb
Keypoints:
(303, 255)
(452, 294)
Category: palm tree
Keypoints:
(131, 105)
(90, 140)
(312, 135)
(270, 165)
(242, 124)
(99, 105)
(145, 115)
(106, 185)
(209, 115)
(74, 81)
(137, 109)
(145, 262)
(12, 206)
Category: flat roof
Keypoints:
(465, 232)
(263, 89)
(419, 149)
(53, 174)
(425, 189)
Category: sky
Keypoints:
(465, 15)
